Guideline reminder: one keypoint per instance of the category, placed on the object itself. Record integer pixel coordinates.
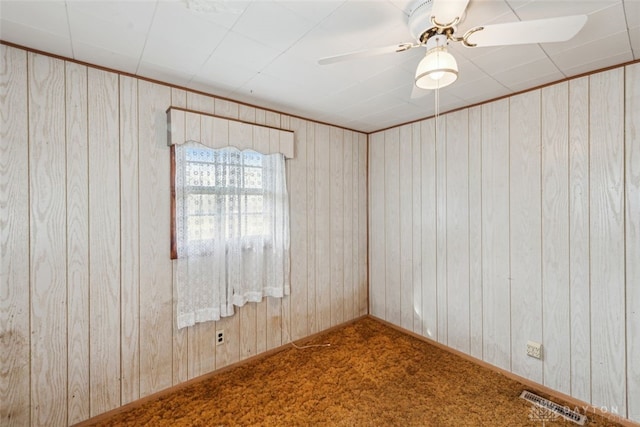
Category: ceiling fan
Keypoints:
(433, 24)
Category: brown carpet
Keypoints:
(371, 375)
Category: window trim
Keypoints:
(174, 237)
(227, 128)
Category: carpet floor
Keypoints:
(371, 375)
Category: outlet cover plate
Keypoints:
(219, 337)
(534, 349)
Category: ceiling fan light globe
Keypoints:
(436, 70)
(427, 82)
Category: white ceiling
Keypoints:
(265, 52)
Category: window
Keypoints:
(224, 193)
(230, 232)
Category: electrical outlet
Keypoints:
(534, 349)
(220, 337)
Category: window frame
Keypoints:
(205, 190)
(172, 177)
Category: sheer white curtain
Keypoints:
(232, 230)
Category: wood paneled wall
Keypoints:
(86, 298)
(519, 220)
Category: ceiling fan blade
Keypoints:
(417, 93)
(366, 53)
(523, 32)
(446, 11)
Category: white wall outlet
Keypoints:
(220, 337)
(534, 349)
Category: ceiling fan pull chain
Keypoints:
(437, 114)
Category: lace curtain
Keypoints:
(232, 230)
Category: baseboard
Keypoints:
(532, 385)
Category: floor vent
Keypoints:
(550, 410)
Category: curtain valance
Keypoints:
(219, 132)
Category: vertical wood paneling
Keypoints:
(96, 329)
(536, 216)
(556, 316)
(354, 227)
(525, 232)
(240, 135)
(299, 228)
(363, 224)
(185, 362)
(441, 226)
(348, 238)
(186, 128)
(156, 306)
(475, 231)
(179, 99)
(248, 338)
(323, 224)
(129, 244)
(285, 323)
(337, 225)
(77, 177)
(194, 101)
(632, 235)
(273, 119)
(104, 241)
(377, 196)
(392, 224)
(221, 131)
(260, 115)
(416, 235)
(312, 311)
(579, 239)
(457, 231)
(261, 139)
(229, 352)
(246, 113)
(14, 239)
(606, 119)
(43, 178)
(48, 272)
(495, 235)
(191, 121)
(405, 192)
(429, 227)
(274, 305)
(226, 108)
